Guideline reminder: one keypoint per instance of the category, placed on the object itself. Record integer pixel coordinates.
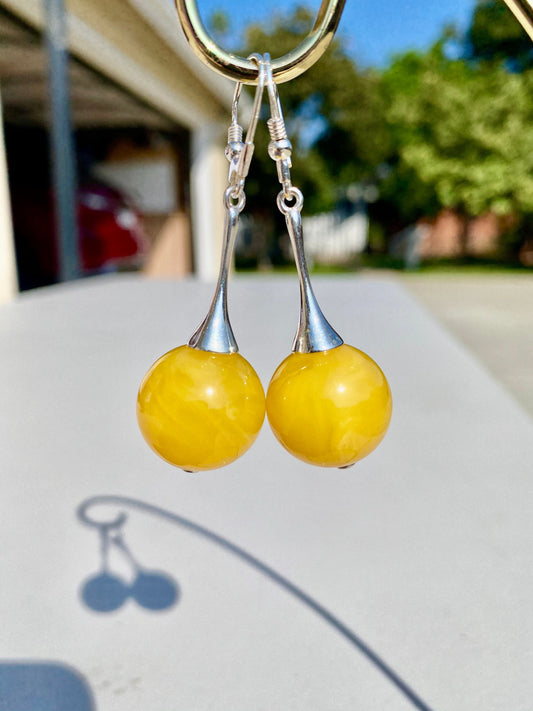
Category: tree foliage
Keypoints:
(334, 114)
(462, 134)
(496, 35)
(434, 131)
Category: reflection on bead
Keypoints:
(200, 410)
(329, 408)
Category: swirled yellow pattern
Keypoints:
(329, 408)
(200, 410)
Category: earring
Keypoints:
(201, 406)
(328, 403)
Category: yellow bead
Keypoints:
(329, 408)
(200, 410)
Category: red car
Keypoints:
(110, 233)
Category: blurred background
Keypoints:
(412, 140)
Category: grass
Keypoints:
(465, 265)
(462, 265)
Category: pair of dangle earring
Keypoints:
(201, 406)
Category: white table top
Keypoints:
(421, 552)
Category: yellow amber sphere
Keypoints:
(200, 410)
(329, 408)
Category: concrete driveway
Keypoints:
(492, 315)
(400, 584)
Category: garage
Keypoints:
(147, 126)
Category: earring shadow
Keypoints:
(334, 622)
(104, 592)
(154, 591)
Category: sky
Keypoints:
(374, 29)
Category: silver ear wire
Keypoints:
(314, 331)
(215, 333)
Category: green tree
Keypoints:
(496, 35)
(462, 136)
(334, 115)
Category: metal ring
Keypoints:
(287, 67)
(230, 196)
(294, 194)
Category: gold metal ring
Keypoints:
(244, 70)
(304, 55)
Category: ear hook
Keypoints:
(287, 67)
(215, 333)
(238, 153)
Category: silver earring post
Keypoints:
(314, 332)
(215, 333)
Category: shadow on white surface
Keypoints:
(106, 592)
(43, 686)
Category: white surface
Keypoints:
(492, 315)
(423, 549)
